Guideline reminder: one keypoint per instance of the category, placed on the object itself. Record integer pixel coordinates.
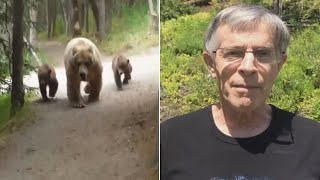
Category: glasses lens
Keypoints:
(266, 55)
(230, 54)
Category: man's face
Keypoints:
(244, 84)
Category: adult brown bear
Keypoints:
(82, 63)
(121, 65)
(47, 77)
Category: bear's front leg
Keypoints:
(117, 78)
(73, 91)
(53, 87)
(127, 76)
(95, 88)
(43, 90)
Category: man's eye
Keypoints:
(263, 52)
(233, 53)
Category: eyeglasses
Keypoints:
(262, 55)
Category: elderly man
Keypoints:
(242, 137)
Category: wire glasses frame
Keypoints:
(262, 55)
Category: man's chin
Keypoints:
(242, 103)
(245, 104)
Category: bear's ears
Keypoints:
(90, 49)
(75, 50)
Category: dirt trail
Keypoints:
(111, 139)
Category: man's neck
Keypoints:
(235, 123)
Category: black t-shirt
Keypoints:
(193, 148)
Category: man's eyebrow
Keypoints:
(235, 47)
(263, 47)
(244, 47)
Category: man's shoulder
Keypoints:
(297, 122)
(186, 120)
(305, 125)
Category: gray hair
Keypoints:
(246, 17)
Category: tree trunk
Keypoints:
(95, 12)
(87, 17)
(54, 17)
(102, 21)
(81, 13)
(69, 16)
(33, 31)
(154, 22)
(131, 2)
(158, 8)
(17, 91)
(76, 18)
(42, 19)
(65, 17)
(151, 6)
(52, 14)
(109, 7)
(116, 6)
(276, 6)
(49, 17)
(280, 7)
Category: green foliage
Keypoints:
(4, 109)
(4, 64)
(28, 62)
(298, 11)
(186, 86)
(184, 80)
(25, 114)
(130, 29)
(227, 3)
(6, 20)
(291, 88)
(305, 52)
(174, 8)
(60, 26)
(311, 106)
(185, 35)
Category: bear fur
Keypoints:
(82, 63)
(121, 65)
(47, 77)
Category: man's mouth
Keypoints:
(246, 86)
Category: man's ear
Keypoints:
(283, 60)
(209, 62)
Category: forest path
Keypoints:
(112, 139)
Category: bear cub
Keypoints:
(47, 77)
(121, 65)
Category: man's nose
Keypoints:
(248, 64)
